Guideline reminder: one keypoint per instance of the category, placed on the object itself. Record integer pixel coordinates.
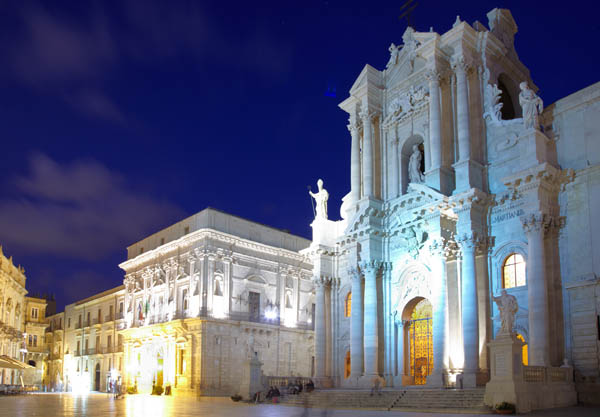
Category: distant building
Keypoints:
(36, 353)
(12, 312)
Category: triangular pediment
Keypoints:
(369, 76)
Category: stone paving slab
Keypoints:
(102, 405)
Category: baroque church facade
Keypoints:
(462, 186)
(464, 190)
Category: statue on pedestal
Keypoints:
(532, 106)
(414, 166)
(508, 307)
(321, 198)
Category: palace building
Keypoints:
(462, 185)
(200, 298)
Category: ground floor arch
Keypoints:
(417, 341)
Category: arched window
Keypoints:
(513, 271)
(348, 308)
(347, 365)
(525, 349)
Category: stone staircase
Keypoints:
(336, 398)
(467, 400)
(440, 399)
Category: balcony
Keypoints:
(108, 318)
(96, 321)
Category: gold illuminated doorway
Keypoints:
(420, 337)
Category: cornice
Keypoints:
(189, 240)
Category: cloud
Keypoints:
(50, 49)
(80, 210)
(98, 105)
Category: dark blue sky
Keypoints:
(120, 117)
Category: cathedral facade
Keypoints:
(464, 188)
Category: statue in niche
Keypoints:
(532, 106)
(508, 307)
(414, 166)
(321, 198)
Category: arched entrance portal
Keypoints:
(97, 378)
(419, 339)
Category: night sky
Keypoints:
(118, 118)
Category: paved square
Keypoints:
(102, 405)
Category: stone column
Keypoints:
(395, 174)
(537, 290)
(371, 323)
(439, 250)
(320, 328)
(210, 279)
(367, 162)
(354, 159)
(462, 109)
(400, 347)
(356, 326)
(435, 119)
(470, 318)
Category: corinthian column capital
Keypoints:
(371, 267)
(461, 64)
(367, 115)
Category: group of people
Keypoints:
(296, 388)
(273, 393)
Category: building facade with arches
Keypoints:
(460, 187)
(206, 295)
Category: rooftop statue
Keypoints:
(321, 198)
(532, 106)
(508, 306)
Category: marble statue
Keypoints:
(532, 106)
(321, 198)
(507, 304)
(393, 55)
(414, 166)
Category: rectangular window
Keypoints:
(78, 347)
(109, 341)
(79, 322)
(30, 342)
(141, 250)
(34, 340)
(34, 313)
(88, 319)
(121, 307)
(182, 364)
(69, 323)
(110, 312)
(186, 230)
(162, 241)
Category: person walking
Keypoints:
(376, 387)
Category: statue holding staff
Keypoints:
(321, 198)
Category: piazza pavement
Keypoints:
(96, 405)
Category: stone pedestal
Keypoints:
(440, 179)
(469, 174)
(534, 148)
(252, 378)
(506, 378)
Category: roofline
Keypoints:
(225, 213)
(100, 295)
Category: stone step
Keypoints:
(411, 398)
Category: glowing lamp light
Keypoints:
(271, 314)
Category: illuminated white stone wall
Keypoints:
(492, 186)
